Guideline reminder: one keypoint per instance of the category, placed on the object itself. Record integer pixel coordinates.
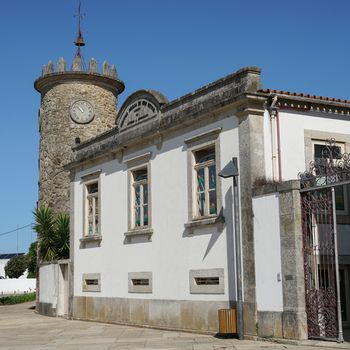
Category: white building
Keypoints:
(153, 226)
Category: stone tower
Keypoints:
(76, 105)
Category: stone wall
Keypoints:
(167, 314)
(58, 133)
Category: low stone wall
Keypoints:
(17, 285)
(169, 314)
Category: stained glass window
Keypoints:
(140, 197)
(205, 170)
(92, 209)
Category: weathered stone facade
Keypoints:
(58, 132)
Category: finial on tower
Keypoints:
(79, 41)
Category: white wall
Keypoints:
(292, 131)
(48, 282)
(3, 262)
(17, 285)
(292, 127)
(267, 249)
(172, 252)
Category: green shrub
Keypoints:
(17, 298)
(16, 266)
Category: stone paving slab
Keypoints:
(21, 328)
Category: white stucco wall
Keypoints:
(3, 262)
(267, 249)
(48, 280)
(172, 252)
(293, 125)
(292, 128)
(17, 285)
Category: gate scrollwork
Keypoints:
(331, 167)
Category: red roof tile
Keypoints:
(322, 98)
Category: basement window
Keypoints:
(140, 281)
(207, 281)
(91, 282)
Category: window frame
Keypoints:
(206, 173)
(141, 206)
(91, 287)
(199, 142)
(87, 182)
(197, 288)
(135, 164)
(140, 288)
(342, 145)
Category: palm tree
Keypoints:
(53, 234)
(62, 235)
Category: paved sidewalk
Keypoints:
(21, 328)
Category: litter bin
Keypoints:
(227, 321)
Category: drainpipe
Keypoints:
(275, 139)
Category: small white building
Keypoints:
(153, 225)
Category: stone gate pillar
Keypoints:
(294, 319)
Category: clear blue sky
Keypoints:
(171, 46)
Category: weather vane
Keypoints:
(79, 41)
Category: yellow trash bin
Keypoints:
(227, 321)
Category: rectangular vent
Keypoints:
(91, 282)
(206, 281)
(140, 281)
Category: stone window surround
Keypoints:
(91, 288)
(87, 179)
(135, 163)
(311, 137)
(207, 289)
(195, 143)
(314, 135)
(140, 288)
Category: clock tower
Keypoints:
(77, 104)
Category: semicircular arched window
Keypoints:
(137, 112)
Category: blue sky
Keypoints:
(170, 46)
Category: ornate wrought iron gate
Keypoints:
(319, 263)
(329, 171)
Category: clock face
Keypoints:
(82, 112)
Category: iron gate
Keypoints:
(319, 263)
(329, 171)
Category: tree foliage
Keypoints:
(53, 234)
(16, 266)
(31, 260)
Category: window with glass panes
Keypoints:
(92, 209)
(205, 178)
(140, 197)
(324, 153)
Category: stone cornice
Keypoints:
(234, 92)
(113, 141)
(48, 81)
(239, 79)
